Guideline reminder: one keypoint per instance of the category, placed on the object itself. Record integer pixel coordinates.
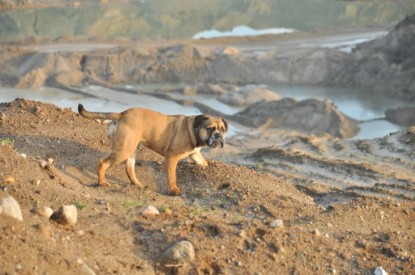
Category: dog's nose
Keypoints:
(217, 135)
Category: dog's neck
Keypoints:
(199, 141)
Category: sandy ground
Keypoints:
(227, 210)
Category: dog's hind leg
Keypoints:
(123, 149)
(130, 169)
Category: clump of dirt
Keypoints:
(240, 219)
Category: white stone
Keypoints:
(380, 271)
(66, 215)
(11, 208)
(45, 212)
(86, 270)
(150, 211)
(276, 223)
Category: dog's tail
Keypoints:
(91, 115)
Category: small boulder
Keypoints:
(310, 116)
(276, 224)
(44, 212)
(11, 208)
(249, 95)
(380, 271)
(66, 215)
(150, 212)
(181, 252)
(404, 116)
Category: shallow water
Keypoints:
(359, 105)
(354, 104)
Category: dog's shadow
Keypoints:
(77, 163)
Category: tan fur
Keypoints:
(174, 137)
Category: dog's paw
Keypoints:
(175, 191)
(138, 185)
(104, 184)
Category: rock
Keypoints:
(276, 224)
(214, 89)
(44, 212)
(316, 232)
(249, 95)
(189, 90)
(242, 234)
(44, 163)
(181, 252)
(86, 270)
(66, 215)
(231, 51)
(168, 212)
(310, 116)
(10, 180)
(380, 271)
(404, 116)
(11, 208)
(150, 212)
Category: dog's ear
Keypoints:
(226, 124)
(199, 119)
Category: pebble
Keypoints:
(66, 215)
(11, 208)
(44, 212)
(10, 179)
(86, 270)
(150, 212)
(242, 234)
(316, 232)
(168, 212)
(380, 271)
(276, 223)
(181, 252)
(43, 163)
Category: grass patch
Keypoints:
(132, 203)
(234, 197)
(198, 211)
(80, 205)
(6, 141)
(260, 165)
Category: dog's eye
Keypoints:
(211, 129)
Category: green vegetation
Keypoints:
(198, 211)
(6, 141)
(132, 203)
(80, 205)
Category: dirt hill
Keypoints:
(240, 220)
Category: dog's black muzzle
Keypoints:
(216, 140)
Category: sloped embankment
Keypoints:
(333, 170)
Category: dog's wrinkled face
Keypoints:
(211, 130)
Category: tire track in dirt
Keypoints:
(325, 167)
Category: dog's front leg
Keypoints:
(198, 158)
(171, 165)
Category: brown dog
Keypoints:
(174, 137)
